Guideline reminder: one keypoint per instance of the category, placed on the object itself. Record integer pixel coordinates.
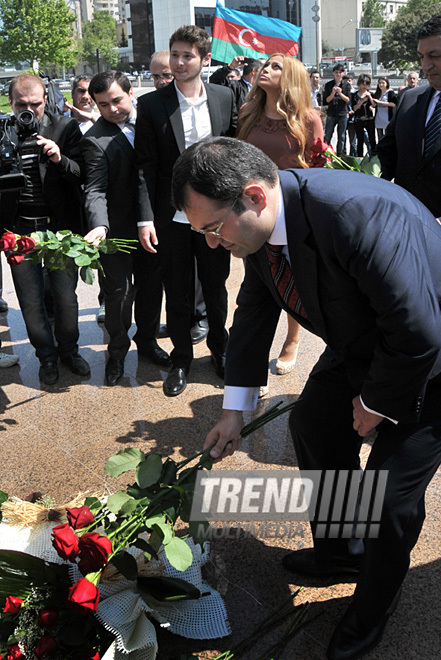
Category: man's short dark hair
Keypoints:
(102, 81)
(338, 67)
(219, 168)
(313, 71)
(250, 65)
(194, 35)
(26, 81)
(76, 81)
(430, 28)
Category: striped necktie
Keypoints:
(433, 128)
(283, 278)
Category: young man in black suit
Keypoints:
(403, 151)
(112, 211)
(50, 201)
(169, 120)
(364, 274)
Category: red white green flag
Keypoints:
(251, 35)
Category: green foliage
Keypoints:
(399, 39)
(100, 33)
(373, 14)
(36, 30)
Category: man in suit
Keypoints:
(169, 120)
(112, 211)
(50, 201)
(410, 151)
(241, 87)
(367, 280)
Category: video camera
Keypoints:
(12, 177)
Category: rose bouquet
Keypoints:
(323, 155)
(55, 248)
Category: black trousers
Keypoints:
(321, 426)
(131, 277)
(178, 246)
(360, 126)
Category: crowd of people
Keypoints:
(202, 171)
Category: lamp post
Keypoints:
(316, 19)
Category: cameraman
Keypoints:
(50, 201)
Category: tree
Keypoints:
(100, 33)
(399, 38)
(36, 30)
(373, 14)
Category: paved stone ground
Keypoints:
(57, 440)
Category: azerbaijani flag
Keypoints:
(252, 35)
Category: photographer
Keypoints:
(48, 146)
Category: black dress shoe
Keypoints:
(304, 562)
(155, 354)
(199, 331)
(352, 638)
(48, 372)
(114, 371)
(176, 381)
(76, 364)
(163, 331)
(3, 306)
(219, 363)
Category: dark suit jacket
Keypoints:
(239, 87)
(61, 181)
(401, 151)
(111, 190)
(160, 140)
(368, 272)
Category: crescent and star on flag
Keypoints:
(253, 40)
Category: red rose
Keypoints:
(12, 604)
(25, 244)
(46, 646)
(14, 259)
(14, 653)
(94, 552)
(83, 594)
(7, 241)
(47, 617)
(80, 516)
(90, 654)
(65, 542)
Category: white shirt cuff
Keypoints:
(394, 421)
(145, 223)
(240, 398)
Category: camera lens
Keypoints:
(26, 117)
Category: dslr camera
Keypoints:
(12, 177)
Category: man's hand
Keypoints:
(49, 148)
(365, 422)
(95, 236)
(147, 237)
(225, 438)
(80, 115)
(237, 62)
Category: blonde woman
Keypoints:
(278, 118)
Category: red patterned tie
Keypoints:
(283, 279)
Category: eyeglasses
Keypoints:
(216, 232)
(163, 76)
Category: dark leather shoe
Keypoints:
(303, 562)
(176, 381)
(219, 363)
(352, 638)
(76, 364)
(3, 306)
(48, 372)
(163, 331)
(155, 354)
(199, 331)
(114, 371)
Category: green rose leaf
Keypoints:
(124, 461)
(179, 554)
(87, 274)
(166, 531)
(116, 501)
(94, 504)
(149, 471)
(83, 260)
(164, 589)
(126, 565)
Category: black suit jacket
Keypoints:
(111, 190)
(239, 87)
(159, 141)
(368, 273)
(61, 181)
(401, 151)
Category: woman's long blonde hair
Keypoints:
(294, 104)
